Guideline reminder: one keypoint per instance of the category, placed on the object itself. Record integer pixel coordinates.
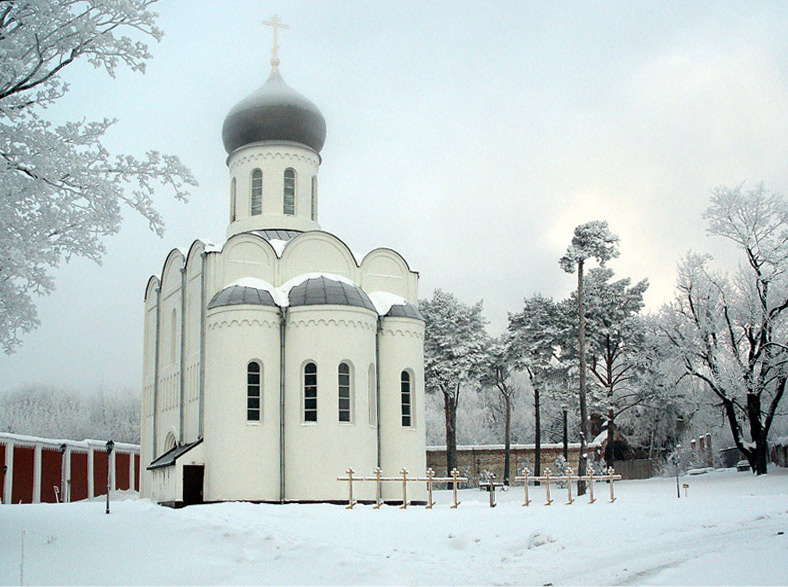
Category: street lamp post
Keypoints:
(566, 438)
(63, 475)
(110, 446)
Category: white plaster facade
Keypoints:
(269, 296)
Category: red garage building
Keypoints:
(47, 470)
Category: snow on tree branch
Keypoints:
(62, 190)
(730, 333)
(591, 240)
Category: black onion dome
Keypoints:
(323, 290)
(274, 112)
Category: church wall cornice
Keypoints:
(407, 332)
(337, 322)
(217, 324)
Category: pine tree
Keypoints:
(454, 355)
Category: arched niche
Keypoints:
(385, 270)
(247, 255)
(316, 251)
(150, 291)
(193, 258)
(171, 273)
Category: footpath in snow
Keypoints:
(729, 530)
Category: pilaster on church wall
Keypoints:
(170, 316)
(148, 374)
(402, 349)
(191, 379)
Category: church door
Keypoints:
(193, 476)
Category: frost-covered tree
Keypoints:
(732, 333)
(536, 335)
(501, 364)
(62, 413)
(664, 395)
(61, 190)
(614, 345)
(592, 240)
(454, 355)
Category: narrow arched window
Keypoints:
(343, 387)
(310, 392)
(372, 396)
(289, 201)
(257, 192)
(232, 200)
(254, 385)
(314, 198)
(407, 403)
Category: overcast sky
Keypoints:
(472, 137)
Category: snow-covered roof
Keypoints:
(249, 290)
(56, 443)
(168, 458)
(389, 304)
(324, 290)
(303, 290)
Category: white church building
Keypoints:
(278, 360)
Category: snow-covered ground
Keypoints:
(729, 530)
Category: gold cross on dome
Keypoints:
(275, 23)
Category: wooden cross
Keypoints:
(430, 477)
(569, 472)
(276, 23)
(378, 500)
(524, 478)
(350, 502)
(591, 480)
(547, 486)
(404, 473)
(455, 474)
(611, 476)
(491, 485)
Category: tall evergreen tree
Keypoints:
(454, 355)
(614, 345)
(592, 240)
(535, 345)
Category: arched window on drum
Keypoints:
(310, 392)
(254, 389)
(406, 395)
(257, 192)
